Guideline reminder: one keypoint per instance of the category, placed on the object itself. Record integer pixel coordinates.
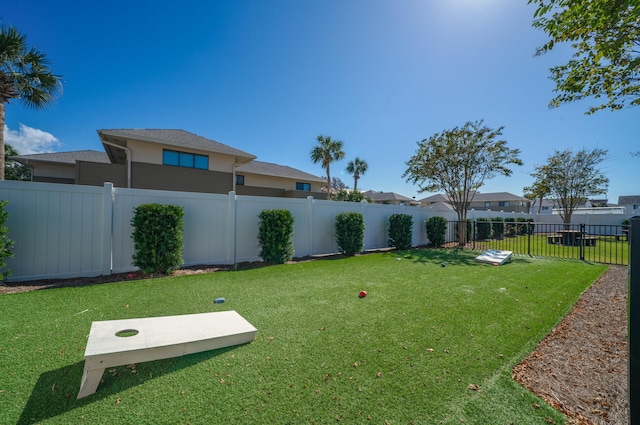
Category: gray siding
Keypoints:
(166, 177)
(95, 174)
(52, 180)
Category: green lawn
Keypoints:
(606, 250)
(407, 353)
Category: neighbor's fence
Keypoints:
(598, 243)
(65, 231)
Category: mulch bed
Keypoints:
(580, 368)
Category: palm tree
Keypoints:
(325, 152)
(357, 167)
(24, 75)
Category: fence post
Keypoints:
(231, 217)
(582, 230)
(310, 225)
(634, 321)
(107, 227)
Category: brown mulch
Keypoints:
(580, 368)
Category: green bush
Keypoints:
(483, 228)
(497, 227)
(400, 231)
(436, 230)
(349, 227)
(510, 227)
(275, 235)
(157, 237)
(5, 243)
(525, 226)
(348, 196)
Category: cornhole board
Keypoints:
(495, 257)
(122, 342)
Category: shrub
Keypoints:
(510, 227)
(497, 227)
(436, 229)
(5, 243)
(349, 227)
(483, 228)
(157, 237)
(275, 235)
(400, 231)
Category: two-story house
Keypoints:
(171, 160)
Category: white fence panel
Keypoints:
(57, 230)
(206, 233)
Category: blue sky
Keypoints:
(268, 76)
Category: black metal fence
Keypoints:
(607, 244)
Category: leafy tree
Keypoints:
(24, 75)
(605, 35)
(537, 191)
(357, 167)
(459, 161)
(325, 152)
(571, 178)
(348, 196)
(14, 170)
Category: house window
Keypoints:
(636, 207)
(487, 204)
(503, 203)
(545, 208)
(239, 180)
(185, 159)
(303, 186)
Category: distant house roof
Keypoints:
(479, 197)
(270, 169)
(628, 200)
(438, 197)
(63, 157)
(385, 196)
(440, 206)
(177, 138)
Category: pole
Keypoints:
(634, 321)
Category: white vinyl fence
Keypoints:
(65, 231)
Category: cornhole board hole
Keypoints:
(122, 342)
(495, 257)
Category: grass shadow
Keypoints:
(450, 256)
(55, 391)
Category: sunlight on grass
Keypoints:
(429, 344)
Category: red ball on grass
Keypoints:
(362, 294)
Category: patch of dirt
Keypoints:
(581, 367)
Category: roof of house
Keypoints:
(440, 206)
(63, 157)
(177, 138)
(270, 169)
(628, 200)
(385, 196)
(479, 197)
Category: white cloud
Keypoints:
(30, 140)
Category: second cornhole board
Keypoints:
(122, 342)
(495, 257)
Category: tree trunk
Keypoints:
(328, 183)
(2, 159)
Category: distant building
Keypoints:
(388, 198)
(171, 160)
(630, 203)
(497, 201)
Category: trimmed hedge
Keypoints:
(400, 231)
(157, 237)
(483, 228)
(349, 228)
(436, 230)
(275, 235)
(5, 243)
